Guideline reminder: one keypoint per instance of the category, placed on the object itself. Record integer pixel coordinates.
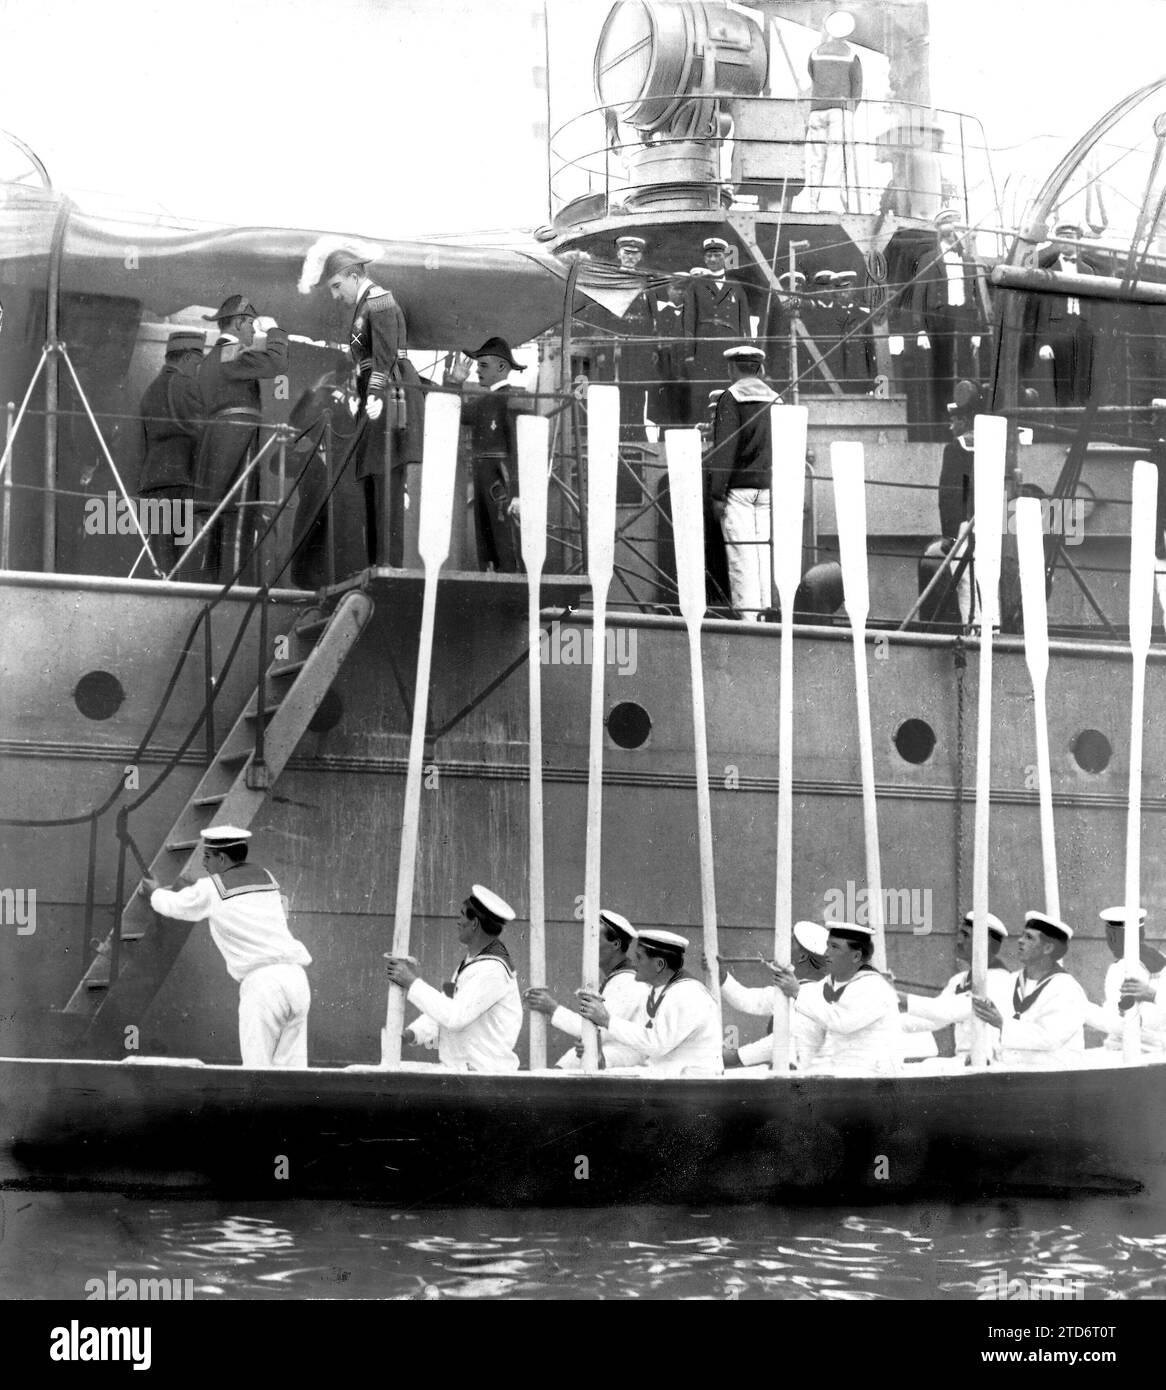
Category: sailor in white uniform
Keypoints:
(680, 1032)
(1042, 1029)
(474, 1021)
(624, 995)
(242, 905)
(1110, 1016)
(851, 1017)
(953, 1005)
(808, 959)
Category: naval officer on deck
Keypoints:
(679, 1033)
(623, 993)
(953, 1005)
(242, 905)
(1042, 1028)
(848, 1023)
(376, 344)
(475, 1019)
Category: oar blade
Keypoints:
(789, 425)
(602, 473)
(682, 448)
(1143, 509)
(533, 436)
(438, 471)
(991, 446)
(846, 463)
(1031, 551)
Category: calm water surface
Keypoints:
(51, 1244)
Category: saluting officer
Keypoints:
(171, 425)
(716, 315)
(232, 404)
(494, 445)
(376, 344)
(474, 1020)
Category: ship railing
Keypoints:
(894, 157)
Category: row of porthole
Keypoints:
(99, 695)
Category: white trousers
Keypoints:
(745, 524)
(273, 1016)
(826, 157)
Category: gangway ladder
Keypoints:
(292, 691)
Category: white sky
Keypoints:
(404, 117)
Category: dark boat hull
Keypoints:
(439, 1139)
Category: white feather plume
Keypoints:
(319, 252)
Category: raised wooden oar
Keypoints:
(991, 438)
(788, 428)
(533, 438)
(1143, 509)
(684, 490)
(440, 441)
(602, 471)
(846, 462)
(1030, 546)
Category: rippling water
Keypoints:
(51, 1244)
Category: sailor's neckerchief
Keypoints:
(623, 968)
(1022, 1005)
(652, 1007)
(996, 964)
(832, 996)
(494, 951)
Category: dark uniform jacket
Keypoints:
(957, 487)
(228, 382)
(835, 75)
(742, 452)
(171, 407)
(493, 444)
(714, 319)
(376, 342)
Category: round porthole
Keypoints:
(329, 714)
(1091, 750)
(98, 695)
(629, 725)
(915, 740)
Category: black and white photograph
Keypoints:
(582, 662)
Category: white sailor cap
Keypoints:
(787, 276)
(714, 243)
(618, 922)
(224, 836)
(850, 931)
(995, 925)
(1071, 231)
(746, 352)
(811, 937)
(1116, 916)
(491, 905)
(657, 938)
(1049, 926)
(633, 243)
(846, 275)
(840, 24)
(945, 217)
(821, 276)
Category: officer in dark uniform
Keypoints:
(1056, 328)
(820, 316)
(716, 315)
(668, 400)
(856, 353)
(377, 344)
(947, 317)
(171, 424)
(637, 351)
(493, 441)
(232, 405)
(787, 320)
